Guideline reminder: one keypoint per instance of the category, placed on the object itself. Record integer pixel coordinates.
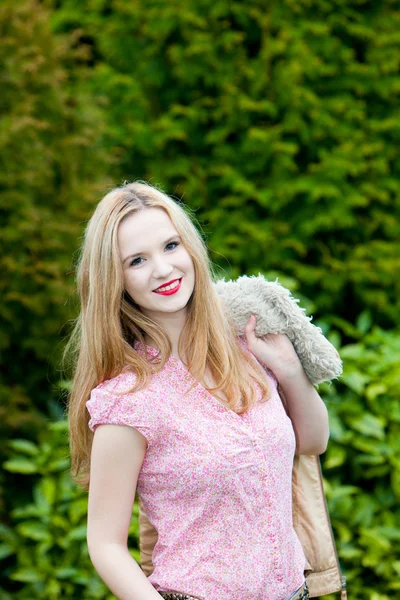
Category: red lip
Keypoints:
(168, 283)
(170, 292)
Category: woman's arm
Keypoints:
(307, 412)
(116, 458)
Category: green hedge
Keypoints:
(362, 465)
(44, 546)
(277, 121)
(52, 168)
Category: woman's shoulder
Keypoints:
(114, 402)
(123, 381)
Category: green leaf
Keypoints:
(374, 536)
(24, 446)
(364, 321)
(45, 493)
(369, 425)
(352, 351)
(336, 457)
(26, 575)
(65, 572)
(78, 510)
(20, 465)
(34, 530)
(78, 533)
(23, 512)
(344, 491)
(59, 426)
(367, 445)
(355, 380)
(6, 550)
(391, 533)
(53, 589)
(375, 389)
(58, 520)
(60, 464)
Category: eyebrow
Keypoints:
(162, 244)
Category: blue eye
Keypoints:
(174, 244)
(134, 262)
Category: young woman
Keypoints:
(168, 402)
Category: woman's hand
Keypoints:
(274, 350)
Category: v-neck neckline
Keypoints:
(154, 352)
(208, 394)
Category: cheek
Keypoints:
(188, 263)
(134, 282)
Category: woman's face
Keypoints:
(153, 255)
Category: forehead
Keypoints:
(139, 229)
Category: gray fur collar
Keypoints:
(277, 312)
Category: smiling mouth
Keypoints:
(169, 288)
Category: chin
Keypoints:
(173, 306)
(176, 306)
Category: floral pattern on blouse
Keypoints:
(216, 485)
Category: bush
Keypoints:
(44, 544)
(361, 465)
(53, 165)
(52, 168)
(277, 122)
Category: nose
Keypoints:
(162, 268)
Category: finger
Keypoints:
(251, 322)
(250, 327)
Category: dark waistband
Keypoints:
(301, 594)
(177, 596)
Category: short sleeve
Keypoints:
(108, 406)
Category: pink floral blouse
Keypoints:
(216, 485)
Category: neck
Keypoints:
(173, 325)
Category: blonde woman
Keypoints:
(168, 402)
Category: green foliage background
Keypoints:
(279, 124)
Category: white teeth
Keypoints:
(168, 287)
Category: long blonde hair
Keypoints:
(103, 336)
